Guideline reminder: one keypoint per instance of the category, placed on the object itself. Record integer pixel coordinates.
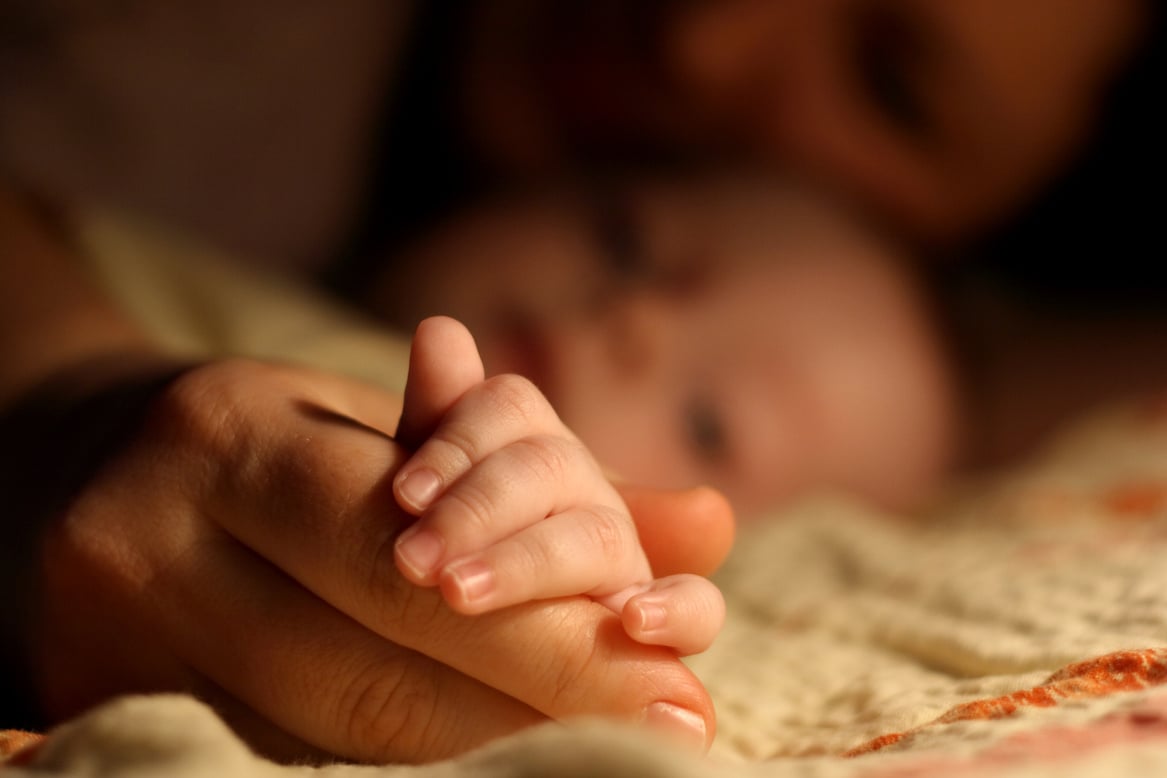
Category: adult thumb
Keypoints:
(681, 530)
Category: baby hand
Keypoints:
(513, 507)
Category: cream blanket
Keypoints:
(1022, 631)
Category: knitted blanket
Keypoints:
(1019, 629)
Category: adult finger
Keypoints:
(319, 675)
(290, 657)
(347, 399)
(139, 547)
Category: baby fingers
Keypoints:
(590, 550)
(492, 414)
(684, 612)
(511, 489)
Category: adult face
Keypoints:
(939, 117)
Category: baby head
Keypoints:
(727, 332)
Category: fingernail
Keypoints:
(419, 488)
(419, 550)
(686, 724)
(652, 615)
(473, 578)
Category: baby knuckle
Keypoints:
(611, 533)
(547, 458)
(470, 509)
(514, 398)
(707, 606)
(453, 448)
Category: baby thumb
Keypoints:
(443, 364)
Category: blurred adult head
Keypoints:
(942, 118)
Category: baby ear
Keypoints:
(443, 365)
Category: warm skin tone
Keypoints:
(940, 117)
(134, 603)
(745, 336)
(51, 321)
(725, 332)
(513, 507)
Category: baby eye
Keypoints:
(888, 53)
(706, 431)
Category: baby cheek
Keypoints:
(638, 445)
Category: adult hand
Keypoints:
(241, 547)
(681, 530)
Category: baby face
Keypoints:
(729, 334)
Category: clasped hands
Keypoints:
(256, 544)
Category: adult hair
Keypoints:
(1092, 239)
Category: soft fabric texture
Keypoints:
(1019, 630)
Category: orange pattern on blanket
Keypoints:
(13, 741)
(1117, 672)
(1137, 499)
(1047, 746)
